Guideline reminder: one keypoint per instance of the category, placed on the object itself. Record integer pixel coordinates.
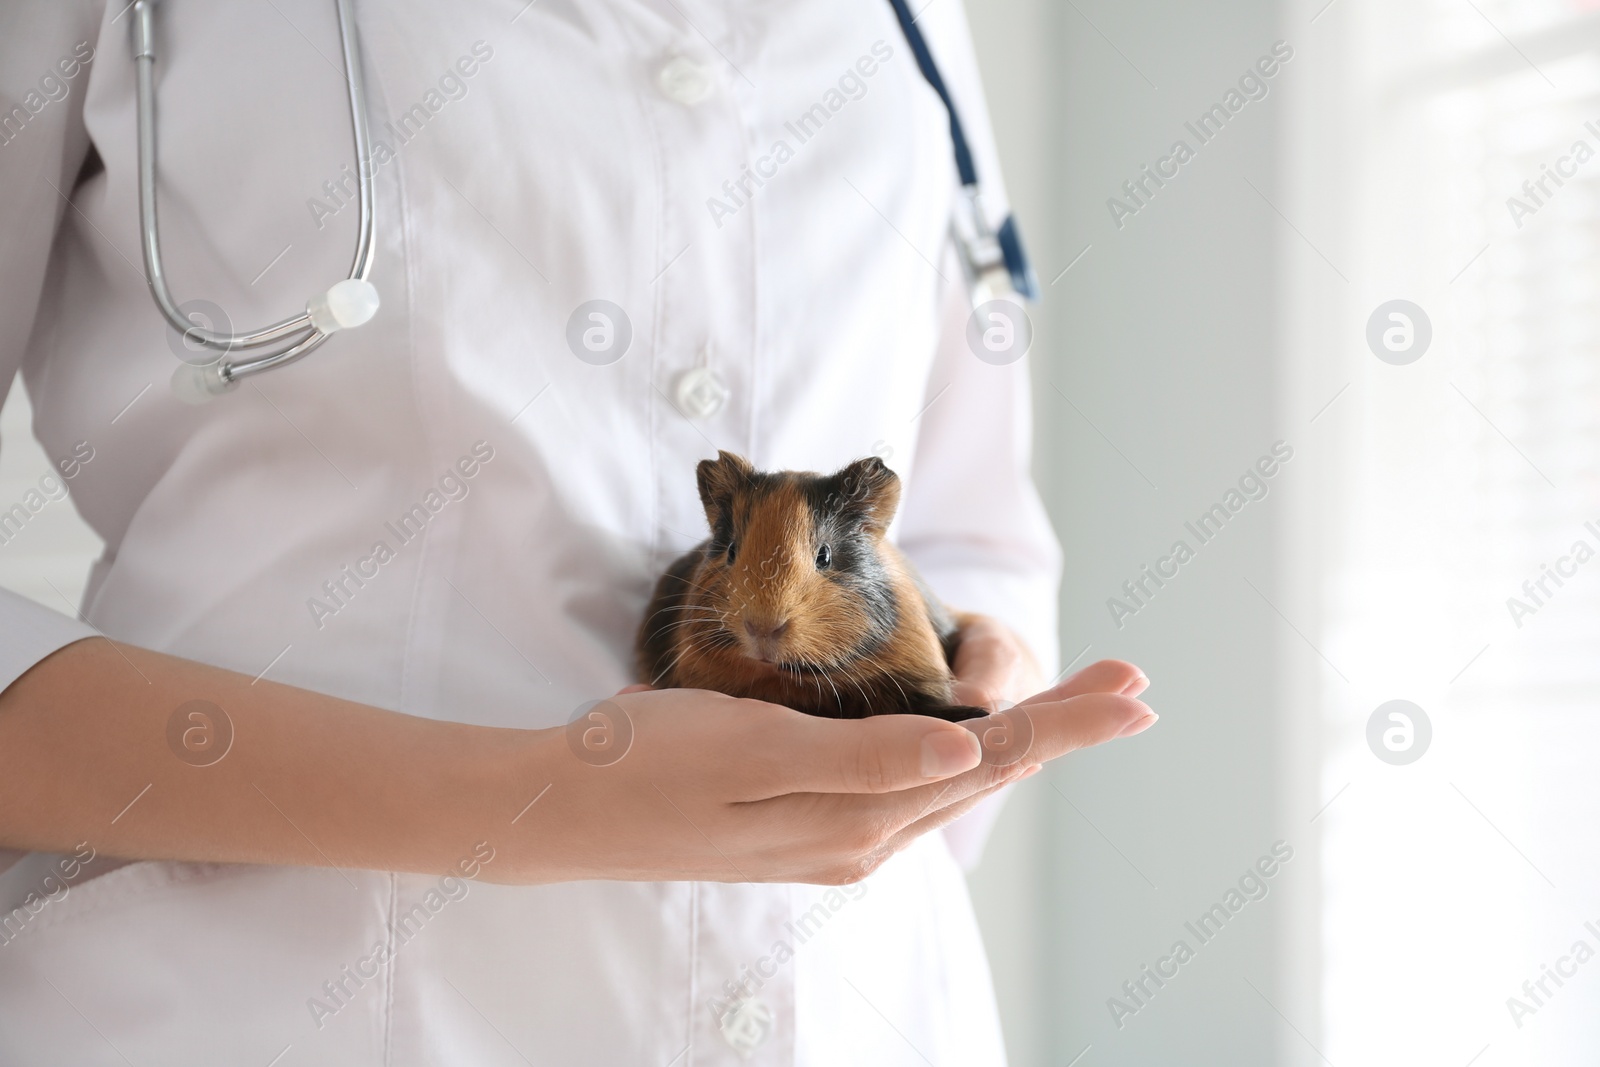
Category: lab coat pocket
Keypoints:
(186, 963)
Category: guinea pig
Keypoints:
(798, 598)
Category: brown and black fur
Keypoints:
(761, 610)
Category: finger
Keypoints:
(854, 867)
(1076, 722)
(842, 847)
(1106, 676)
(949, 814)
(977, 694)
(1039, 732)
(880, 754)
(986, 662)
(637, 687)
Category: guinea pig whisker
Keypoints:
(683, 648)
(900, 687)
(687, 607)
(666, 672)
(693, 620)
(714, 639)
(866, 700)
(694, 644)
(720, 636)
(699, 618)
(701, 611)
(688, 626)
(821, 677)
(671, 631)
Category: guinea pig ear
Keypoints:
(869, 493)
(719, 480)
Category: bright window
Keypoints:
(1449, 882)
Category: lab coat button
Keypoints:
(701, 393)
(747, 1026)
(684, 80)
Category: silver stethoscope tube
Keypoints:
(347, 304)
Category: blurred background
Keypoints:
(1179, 339)
(1427, 459)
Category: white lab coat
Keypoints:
(563, 168)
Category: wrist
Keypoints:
(515, 781)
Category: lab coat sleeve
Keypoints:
(29, 632)
(43, 145)
(973, 522)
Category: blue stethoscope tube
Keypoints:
(980, 245)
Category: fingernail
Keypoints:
(1139, 726)
(947, 752)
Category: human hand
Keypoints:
(1008, 737)
(717, 788)
(994, 667)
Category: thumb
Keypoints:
(879, 754)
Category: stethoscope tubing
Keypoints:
(298, 331)
(994, 260)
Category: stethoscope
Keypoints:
(992, 261)
(344, 305)
(994, 265)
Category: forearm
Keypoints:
(711, 787)
(308, 779)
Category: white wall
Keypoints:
(1425, 901)
(1156, 388)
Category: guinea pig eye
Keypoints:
(733, 550)
(824, 557)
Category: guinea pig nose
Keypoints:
(765, 631)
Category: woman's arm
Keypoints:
(85, 755)
(710, 787)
